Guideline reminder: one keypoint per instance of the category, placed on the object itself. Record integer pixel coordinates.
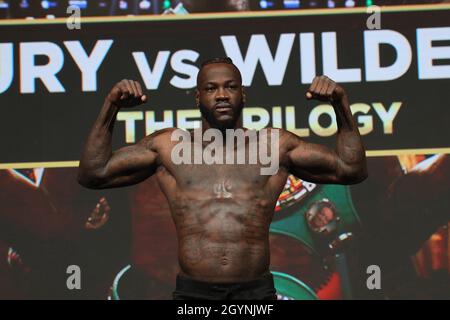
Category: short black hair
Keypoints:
(226, 60)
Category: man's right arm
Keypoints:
(100, 167)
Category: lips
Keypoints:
(223, 106)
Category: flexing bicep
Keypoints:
(131, 165)
(314, 163)
(128, 165)
(309, 161)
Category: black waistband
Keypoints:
(186, 282)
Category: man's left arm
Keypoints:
(316, 163)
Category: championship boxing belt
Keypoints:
(297, 200)
(115, 288)
(290, 288)
(298, 197)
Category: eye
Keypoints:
(209, 89)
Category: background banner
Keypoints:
(53, 81)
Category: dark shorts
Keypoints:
(259, 289)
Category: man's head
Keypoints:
(220, 95)
(323, 217)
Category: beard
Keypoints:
(209, 116)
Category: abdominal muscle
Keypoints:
(222, 241)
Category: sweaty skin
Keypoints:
(222, 213)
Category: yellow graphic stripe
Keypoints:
(399, 152)
(30, 165)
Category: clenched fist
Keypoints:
(324, 89)
(127, 94)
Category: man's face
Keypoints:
(220, 95)
(323, 217)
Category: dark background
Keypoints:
(45, 126)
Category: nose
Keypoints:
(222, 95)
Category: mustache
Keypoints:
(223, 104)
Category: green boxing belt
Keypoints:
(299, 197)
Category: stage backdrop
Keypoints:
(53, 81)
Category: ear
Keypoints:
(197, 98)
(244, 96)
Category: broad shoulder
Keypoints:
(157, 139)
(287, 139)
